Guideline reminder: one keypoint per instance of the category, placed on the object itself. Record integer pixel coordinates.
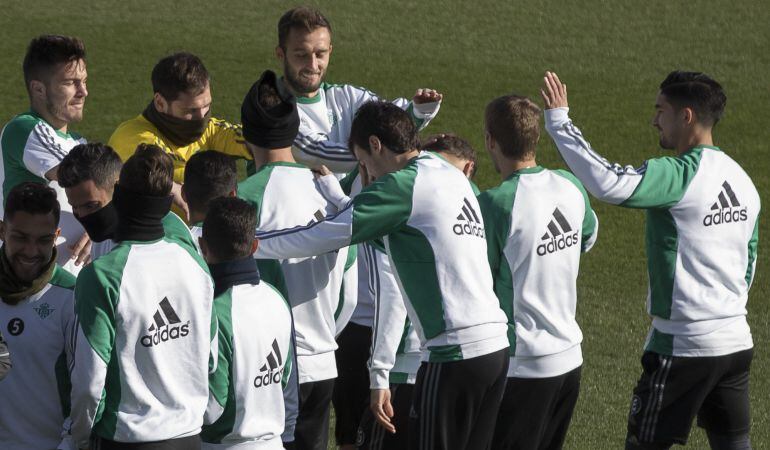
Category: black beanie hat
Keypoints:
(272, 127)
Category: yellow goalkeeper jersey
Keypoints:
(220, 135)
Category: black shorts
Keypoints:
(455, 403)
(536, 412)
(372, 436)
(673, 390)
(188, 443)
(312, 429)
(351, 388)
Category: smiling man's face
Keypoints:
(29, 241)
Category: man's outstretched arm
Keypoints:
(659, 182)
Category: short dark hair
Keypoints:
(46, 51)
(513, 121)
(32, 198)
(179, 73)
(229, 228)
(697, 91)
(451, 144)
(391, 124)
(304, 18)
(149, 171)
(93, 161)
(208, 175)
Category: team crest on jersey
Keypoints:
(468, 222)
(726, 209)
(332, 118)
(559, 235)
(166, 326)
(272, 370)
(44, 310)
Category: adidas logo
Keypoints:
(272, 370)
(469, 222)
(164, 330)
(558, 236)
(726, 208)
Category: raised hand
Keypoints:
(554, 92)
(426, 96)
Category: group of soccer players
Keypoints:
(150, 300)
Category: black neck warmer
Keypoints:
(100, 225)
(274, 127)
(231, 273)
(139, 216)
(180, 132)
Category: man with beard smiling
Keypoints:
(34, 143)
(37, 312)
(326, 110)
(178, 120)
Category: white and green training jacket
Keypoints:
(537, 223)
(30, 148)
(325, 122)
(285, 195)
(145, 332)
(36, 393)
(702, 233)
(434, 235)
(255, 357)
(395, 352)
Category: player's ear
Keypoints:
(56, 235)
(279, 53)
(232, 193)
(374, 144)
(160, 103)
(687, 115)
(37, 89)
(468, 169)
(488, 141)
(254, 246)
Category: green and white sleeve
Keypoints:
(381, 208)
(220, 388)
(658, 183)
(753, 244)
(93, 355)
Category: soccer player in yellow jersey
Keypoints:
(178, 120)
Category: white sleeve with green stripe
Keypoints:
(93, 347)
(658, 183)
(379, 209)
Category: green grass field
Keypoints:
(612, 55)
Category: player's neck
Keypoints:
(196, 217)
(700, 137)
(57, 124)
(509, 166)
(279, 155)
(402, 159)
